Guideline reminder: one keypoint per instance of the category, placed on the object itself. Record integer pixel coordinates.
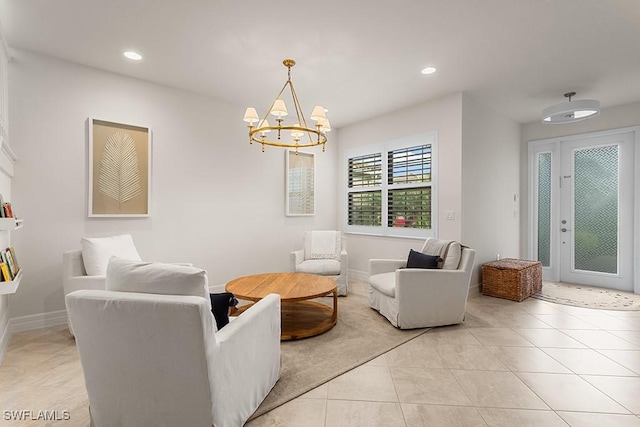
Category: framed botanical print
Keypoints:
(119, 169)
(300, 178)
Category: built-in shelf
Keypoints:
(12, 286)
(10, 223)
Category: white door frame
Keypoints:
(536, 146)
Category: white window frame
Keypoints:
(384, 230)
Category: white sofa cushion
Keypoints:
(96, 252)
(325, 267)
(384, 283)
(156, 278)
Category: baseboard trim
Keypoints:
(38, 321)
(359, 275)
(474, 290)
(217, 289)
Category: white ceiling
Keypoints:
(358, 58)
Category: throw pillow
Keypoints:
(449, 250)
(419, 260)
(220, 304)
(156, 278)
(322, 245)
(96, 252)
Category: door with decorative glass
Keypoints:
(583, 210)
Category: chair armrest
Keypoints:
(435, 291)
(344, 262)
(296, 258)
(246, 358)
(76, 283)
(377, 266)
(72, 264)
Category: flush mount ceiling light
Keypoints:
(290, 136)
(133, 55)
(429, 70)
(571, 111)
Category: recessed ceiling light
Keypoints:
(429, 70)
(133, 55)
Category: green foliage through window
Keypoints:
(391, 188)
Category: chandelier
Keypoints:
(571, 111)
(285, 135)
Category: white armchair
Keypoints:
(98, 251)
(419, 298)
(324, 253)
(158, 360)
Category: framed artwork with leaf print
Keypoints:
(119, 169)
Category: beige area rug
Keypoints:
(360, 335)
(588, 296)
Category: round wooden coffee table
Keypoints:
(301, 318)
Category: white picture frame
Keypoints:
(300, 183)
(119, 169)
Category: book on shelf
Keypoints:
(7, 210)
(12, 266)
(6, 276)
(5, 261)
(13, 256)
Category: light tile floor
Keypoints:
(532, 363)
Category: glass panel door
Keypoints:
(596, 205)
(582, 209)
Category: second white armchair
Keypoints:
(423, 297)
(324, 253)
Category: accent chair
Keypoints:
(324, 253)
(423, 297)
(156, 359)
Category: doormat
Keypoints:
(588, 296)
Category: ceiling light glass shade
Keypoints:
(291, 136)
(133, 55)
(571, 111)
(429, 70)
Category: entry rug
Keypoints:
(588, 296)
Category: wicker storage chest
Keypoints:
(511, 278)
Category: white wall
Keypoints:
(609, 118)
(217, 201)
(490, 179)
(442, 116)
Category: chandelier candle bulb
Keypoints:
(264, 127)
(324, 124)
(297, 133)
